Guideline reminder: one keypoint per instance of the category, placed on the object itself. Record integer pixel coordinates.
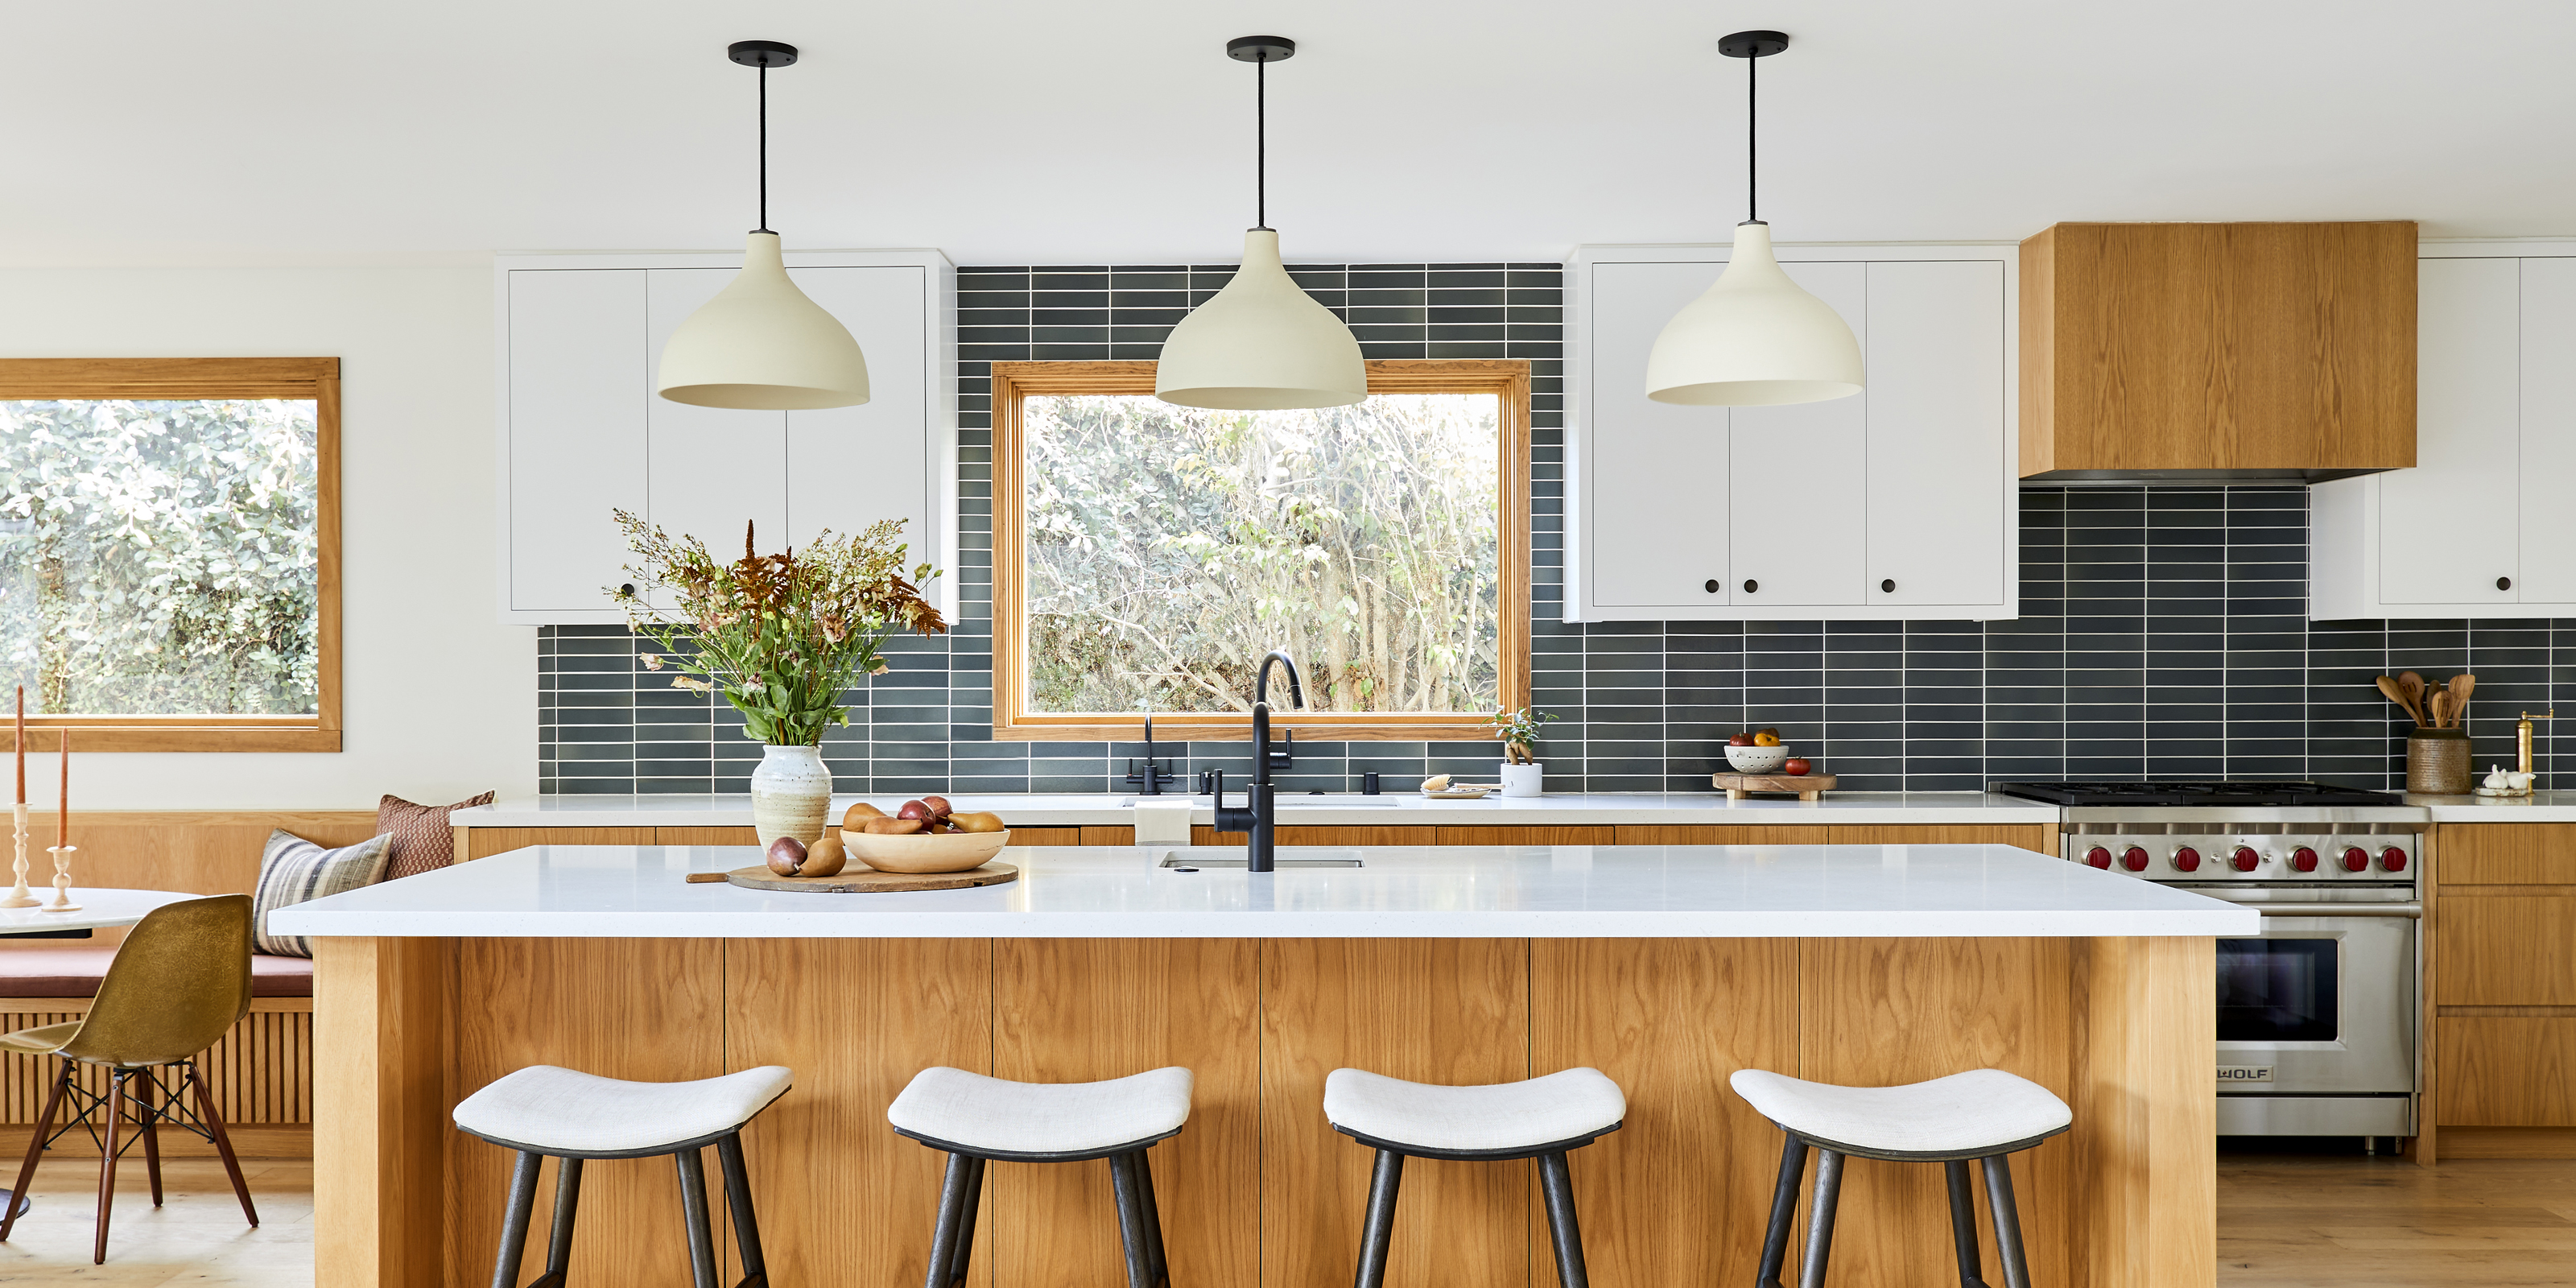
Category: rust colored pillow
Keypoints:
(421, 839)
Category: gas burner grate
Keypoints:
(2198, 794)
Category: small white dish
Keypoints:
(1458, 793)
(1757, 760)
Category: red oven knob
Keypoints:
(2245, 858)
(2303, 859)
(2134, 858)
(2393, 859)
(2098, 857)
(2186, 859)
(2355, 859)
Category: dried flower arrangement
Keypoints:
(784, 635)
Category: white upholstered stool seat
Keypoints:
(566, 1112)
(998, 1117)
(1965, 1115)
(1575, 1104)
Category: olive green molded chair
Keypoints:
(179, 982)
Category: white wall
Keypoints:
(439, 700)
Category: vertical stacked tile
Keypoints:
(2025, 659)
(1865, 699)
(2187, 624)
(2106, 631)
(2267, 623)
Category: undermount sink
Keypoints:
(1232, 857)
(1285, 802)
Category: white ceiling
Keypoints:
(1013, 131)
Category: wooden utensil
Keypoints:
(2441, 711)
(2461, 687)
(2413, 684)
(2397, 693)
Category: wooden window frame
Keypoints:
(1508, 380)
(317, 379)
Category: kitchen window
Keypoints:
(1146, 556)
(169, 552)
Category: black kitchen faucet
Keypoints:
(1260, 811)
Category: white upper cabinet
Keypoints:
(582, 433)
(2480, 527)
(1896, 502)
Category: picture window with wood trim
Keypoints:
(165, 534)
(1148, 555)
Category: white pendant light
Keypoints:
(1756, 339)
(760, 344)
(1261, 343)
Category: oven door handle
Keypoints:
(2337, 909)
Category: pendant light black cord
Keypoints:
(1752, 106)
(1261, 143)
(764, 150)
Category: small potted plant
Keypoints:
(783, 637)
(1522, 773)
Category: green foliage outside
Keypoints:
(159, 558)
(1170, 547)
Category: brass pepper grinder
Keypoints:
(2522, 738)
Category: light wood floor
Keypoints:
(2283, 1222)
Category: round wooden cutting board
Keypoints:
(871, 881)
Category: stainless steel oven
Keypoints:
(2318, 1013)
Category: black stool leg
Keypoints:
(746, 1227)
(1557, 1184)
(1378, 1233)
(1153, 1217)
(694, 1215)
(559, 1238)
(1999, 1198)
(1132, 1238)
(1784, 1207)
(1963, 1224)
(514, 1222)
(953, 1233)
(1820, 1219)
(966, 1221)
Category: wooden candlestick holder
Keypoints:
(20, 897)
(63, 878)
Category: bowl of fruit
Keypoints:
(922, 836)
(1758, 752)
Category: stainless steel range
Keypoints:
(2317, 1018)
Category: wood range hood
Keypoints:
(2217, 352)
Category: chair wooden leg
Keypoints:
(1820, 1219)
(223, 1143)
(107, 1161)
(694, 1214)
(1377, 1231)
(1999, 1198)
(949, 1238)
(966, 1214)
(146, 1110)
(514, 1220)
(1556, 1182)
(1153, 1217)
(1131, 1221)
(559, 1236)
(746, 1225)
(35, 1149)
(1784, 1210)
(1963, 1224)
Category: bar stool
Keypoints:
(975, 1120)
(1982, 1115)
(545, 1112)
(1541, 1118)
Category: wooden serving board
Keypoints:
(871, 881)
(1807, 786)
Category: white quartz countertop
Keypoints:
(2539, 807)
(1563, 891)
(1393, 808)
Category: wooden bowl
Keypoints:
(955, 852)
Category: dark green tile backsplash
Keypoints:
(2163, 630)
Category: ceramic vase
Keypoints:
(791, 794)
(1523, 780)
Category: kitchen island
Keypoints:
(1667, 967)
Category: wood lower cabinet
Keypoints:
(2501, 967)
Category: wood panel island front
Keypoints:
(1666, 967)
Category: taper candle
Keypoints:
(63, 807)
(21, 744)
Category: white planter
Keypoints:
(791, 794)
(1524, 780)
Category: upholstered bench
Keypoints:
(261, 1073)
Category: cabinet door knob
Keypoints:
(1888, 585)
(1711, 586)
(626, 589)
(1751, 585)
(2504, 583)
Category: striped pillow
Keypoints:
(293, 870)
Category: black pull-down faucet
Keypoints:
(1258, 817)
